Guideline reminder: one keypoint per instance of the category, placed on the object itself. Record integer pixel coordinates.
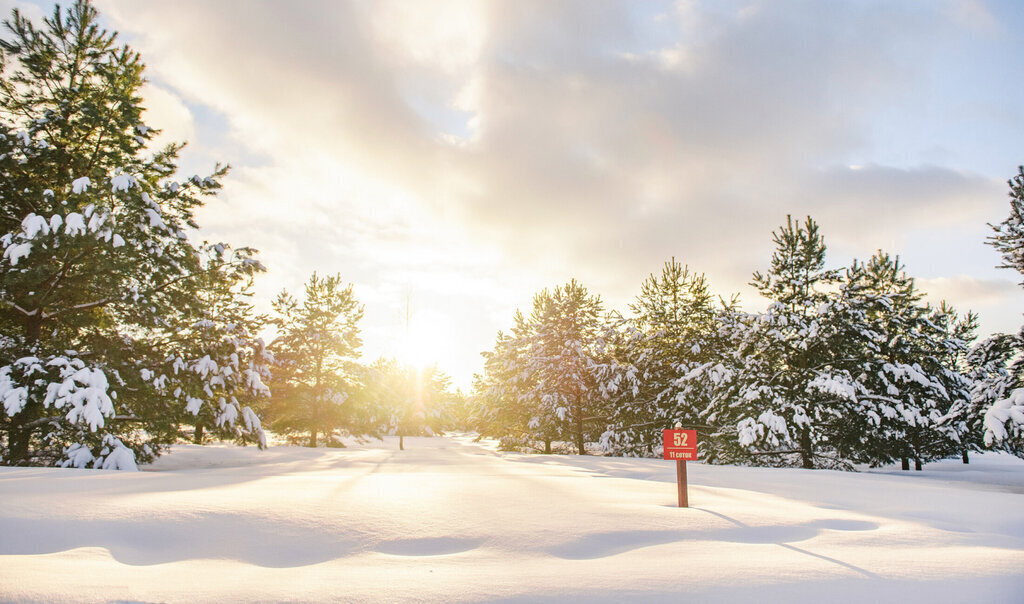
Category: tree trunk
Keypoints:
(806, 449)
(312, 438)
(197, 438)
(33, 328)
(19, 435)
(547, 446)
(917, 464)
(401, 442)
(905, 464)
(963, 455)
(580, 445)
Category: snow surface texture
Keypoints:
(452, 520)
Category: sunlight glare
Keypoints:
(422, 345)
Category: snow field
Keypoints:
(453, 520)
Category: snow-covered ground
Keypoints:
(452, 520)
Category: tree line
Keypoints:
(119, 334)
(320, 389)
(843, 367)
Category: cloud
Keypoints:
(997, 302)
(974, 14)
(165, 108)
(590, 151)
(965, 291)
(871, 205)
(489, 149)
(28, 9)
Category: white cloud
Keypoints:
(965, 291)
(27, 9)
(568, 139)
(975, 15)
(998, 302)
(448, 36)
(165, 108)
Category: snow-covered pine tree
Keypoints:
(218, 367)
(996, 370)
(1001, 366)
(670, 333)
(502, 399)
(541, 382)
(565, 357)
(958, 433)
(908, 398)
(458, 412)
(775, 388)
(315, 350)
(741, 355)
(97, 275)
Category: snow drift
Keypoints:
(449, 519)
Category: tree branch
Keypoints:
(27, 313)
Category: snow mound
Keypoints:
(454, 520)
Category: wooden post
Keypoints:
(680, 445)
(681, 480)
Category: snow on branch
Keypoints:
(1009, 410)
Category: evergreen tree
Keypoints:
(315, 372)
(961, 423)
(774, 386)
(835, 373)
(909, 398)
(221, 367)
(801, 393)
(502, 399)
(1000, 360)
(997, 372)
(99, 283)
(458, 412)
(541, 382)
(1008, 238)
(670, 333)
(566, 354)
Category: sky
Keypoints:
(451, 159)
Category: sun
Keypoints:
(417, 351)
(428, 339)
(422, 344)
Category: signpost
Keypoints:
(681, 445)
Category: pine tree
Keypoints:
(566, 354)
(1008, 239)
(802, 394)
(958, 431)
(1000, 363)
(997, 371)
(458, 412)
(910, 398)
(220, 366)
(99, 283)
(673, 323)
(502, 395)
(315, 372)
(774, 388)
(541, 382)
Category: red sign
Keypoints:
(680, 445)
